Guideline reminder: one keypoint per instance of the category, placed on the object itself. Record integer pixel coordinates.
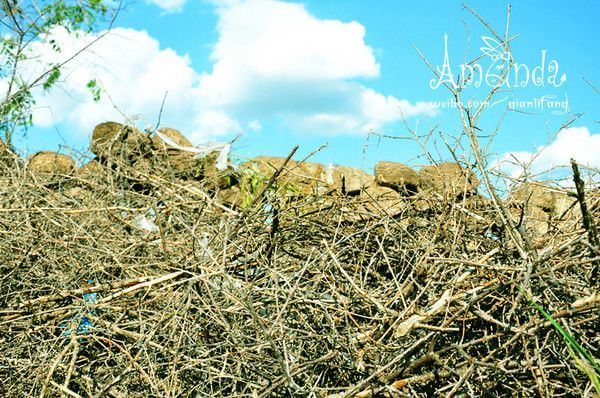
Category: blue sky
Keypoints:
(285, 72)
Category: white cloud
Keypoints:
(384, 109)
(255, 125)
(272, 60)
(570, 143)
(134, 73)
(278, 40)
(169, 5)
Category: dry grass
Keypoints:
(311, 300)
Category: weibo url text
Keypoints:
(536, 104)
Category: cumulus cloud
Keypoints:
(169, 5)
(134, 74)
(570, 143)
(274, 58)
(272, 61)
(280, 40)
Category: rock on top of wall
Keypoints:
(180, 161)
(111, 138)
(5, 152)
(48, 162)
(306, 177)
(447, 178)
(397, 176)
(536, 194)
(173, 134)
(314, 178)
(91, 169)
(348, 180)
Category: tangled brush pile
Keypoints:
(129, 280)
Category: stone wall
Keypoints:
(390, 189)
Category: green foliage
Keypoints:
(54, 45)
(51, 79)
(73, 15)
(251, 182)
(22, 23)
(581, 357)
(92, 85)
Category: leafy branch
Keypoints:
(25, 22)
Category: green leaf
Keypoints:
(573, 344)
(52, 78)
(92, 85)
(73, 15)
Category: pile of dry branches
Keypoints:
(125, 283)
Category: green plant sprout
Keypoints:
(589, 366)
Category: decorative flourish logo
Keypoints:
(501, 71)
(492, 50)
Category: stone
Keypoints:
(422, 201)
(51, 163)
(565, 204)
(592, 199)
(305, 178)
(383, 200)
(378, 192)
(535, 194)
(536, 221)
(4, 151)
(91, 169)
(348, 180)
(397, 176)
(180, 161)
(232, 197)
(174, 135)
(111, 138)
(447, 179)
(206, 170)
